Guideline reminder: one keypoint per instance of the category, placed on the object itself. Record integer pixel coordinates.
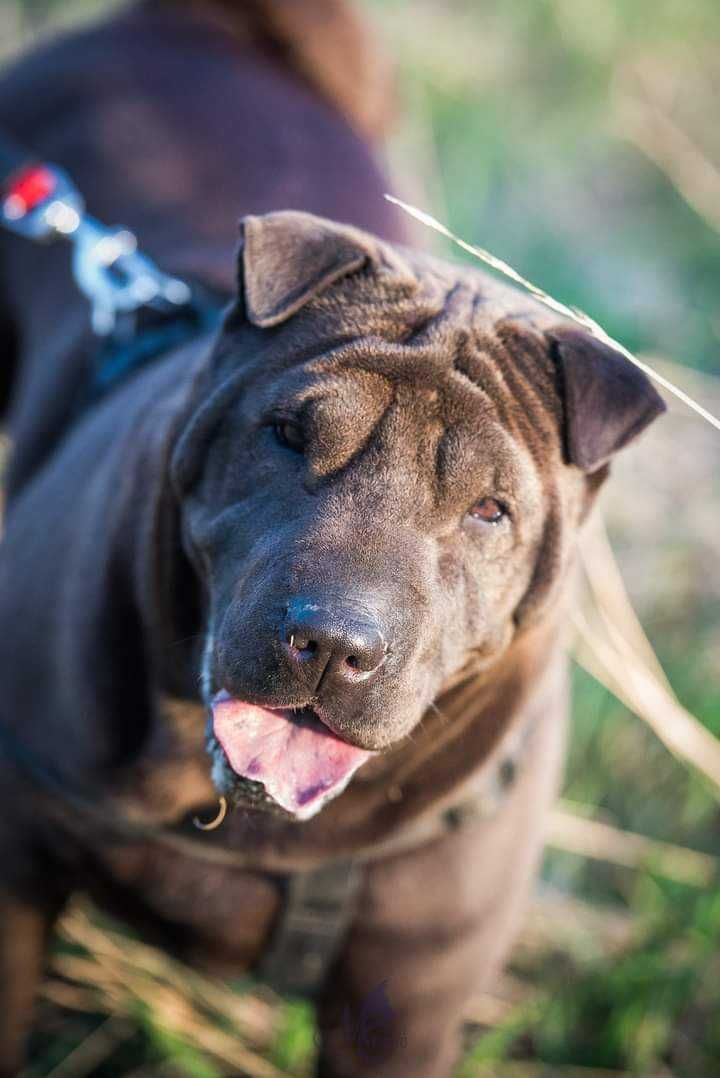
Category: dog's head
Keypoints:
(390, 461)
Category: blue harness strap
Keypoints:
(128, 348)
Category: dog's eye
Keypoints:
(290, 434)
(488, 510)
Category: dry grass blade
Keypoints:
(117, 975)
(656, 135)
(599, 841)
(253, 1017)
(547, 300)
(645, 695)
(560, 923)
(612, 600)
(92, 1050)
(497, 1005)
(71, 997)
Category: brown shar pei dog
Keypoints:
(315, 562)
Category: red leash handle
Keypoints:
(37, 200)
(27, 189)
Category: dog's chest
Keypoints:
(213, 913)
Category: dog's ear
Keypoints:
(286, 258)
(608, 401)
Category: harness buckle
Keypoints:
(116, 278)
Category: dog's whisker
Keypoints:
(185, 640)
(441, 714)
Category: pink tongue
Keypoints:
(299, 761)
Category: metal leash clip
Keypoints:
(40, 202)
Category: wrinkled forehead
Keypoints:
(457, 390)
(466, 353)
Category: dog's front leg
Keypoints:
(27, 914)
(432, 930)
(395, 1001)
(25, 926)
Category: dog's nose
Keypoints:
(331, 644)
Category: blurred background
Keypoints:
(578, 140)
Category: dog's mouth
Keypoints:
(289, 756)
